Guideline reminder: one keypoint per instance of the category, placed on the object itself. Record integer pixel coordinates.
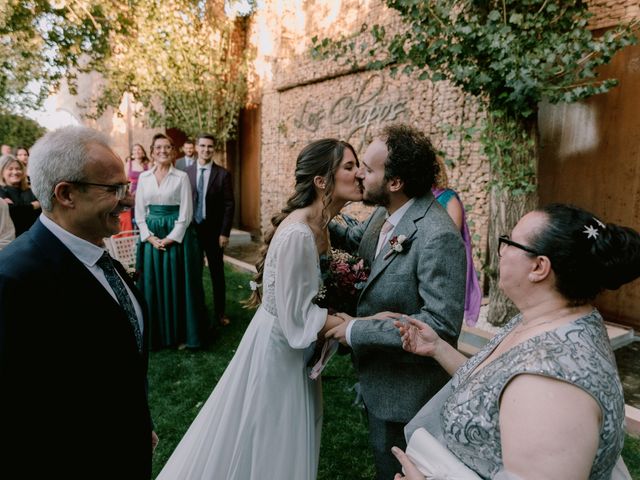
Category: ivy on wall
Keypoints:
(508, 54)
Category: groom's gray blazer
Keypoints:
(426, 281)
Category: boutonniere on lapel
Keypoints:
(398, 244)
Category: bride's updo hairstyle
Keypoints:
(320, 158)
(587, 255)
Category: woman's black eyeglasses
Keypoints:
(505, 240)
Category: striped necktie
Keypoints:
(120, 290)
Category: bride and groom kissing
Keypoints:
(264, 417)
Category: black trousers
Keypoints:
(209, 242)
(382, 436)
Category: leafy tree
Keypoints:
(16, 130)
(183, 60)
(44, 41)
(510, 54)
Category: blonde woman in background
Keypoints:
(24, 207)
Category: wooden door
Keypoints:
(590, 157)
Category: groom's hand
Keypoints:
(339, 333)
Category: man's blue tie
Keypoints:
(118, 287)
(198, 215)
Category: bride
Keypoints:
(264, 417)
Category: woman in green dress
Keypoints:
(169, 259)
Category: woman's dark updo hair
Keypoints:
(320, 158)
(586, 255)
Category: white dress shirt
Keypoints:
(89, 254)
(175, 189)
(206, 171)
(394, 220)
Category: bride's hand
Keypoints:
(344, 316)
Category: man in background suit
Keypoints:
(188, 148)
(213, 214)
(73, 355)
(425, 279)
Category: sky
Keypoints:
(50, 117)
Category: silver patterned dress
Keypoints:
(578, 353)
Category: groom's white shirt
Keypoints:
(393, 219)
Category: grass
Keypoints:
(180, 382)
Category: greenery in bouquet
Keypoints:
(344, 276)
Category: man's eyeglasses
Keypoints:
(119, 189)
(505, 240)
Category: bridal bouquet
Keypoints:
(344, 276)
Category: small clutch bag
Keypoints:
(436, 461)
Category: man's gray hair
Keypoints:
(60, 156)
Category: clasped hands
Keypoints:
(339, 332)
(160, 244)
(417, 337)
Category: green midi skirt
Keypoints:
(171, 282)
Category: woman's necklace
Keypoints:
(560, 315)
(519, 329)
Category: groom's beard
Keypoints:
(378, 196)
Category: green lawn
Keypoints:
(180, 382)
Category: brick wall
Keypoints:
(608, 13)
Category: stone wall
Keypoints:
(304, 100)
(608, 13)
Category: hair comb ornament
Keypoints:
(591, 231)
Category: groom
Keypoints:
(418, 267)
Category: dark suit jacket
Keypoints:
(218, 200)
(73, 401)
(181, 163)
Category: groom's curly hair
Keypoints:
(319, 158)
(411, 158)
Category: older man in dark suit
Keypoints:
(418, 266)
(213, 214)
(73, 354)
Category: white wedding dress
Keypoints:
(264, 417)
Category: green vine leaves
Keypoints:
(510, 54)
